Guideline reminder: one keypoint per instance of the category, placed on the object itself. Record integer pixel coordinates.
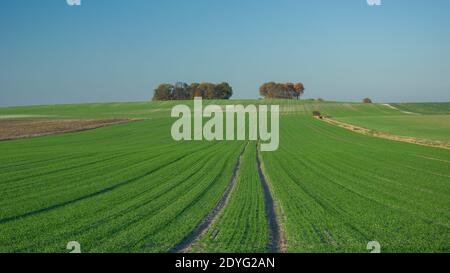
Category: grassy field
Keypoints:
(434, 127)
(420, 120)
(442, 108)
(337, 190)
(242, 227)
(118, 188)
(131, 188)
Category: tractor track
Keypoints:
(275, 234)
(205, 224)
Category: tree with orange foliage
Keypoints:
(299, 89)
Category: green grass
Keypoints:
(438, 108)
(434, 127)
(337, 190)
(119, 188)
(131, 188)
(242, 227)
(420, 120)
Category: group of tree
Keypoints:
(282, 90)
(184, 91)
(367, 100)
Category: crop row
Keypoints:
(242, 225)
(146, 199)
(338, 190)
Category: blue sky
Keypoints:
(119, 50)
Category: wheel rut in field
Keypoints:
(275, 237)
(205, 224)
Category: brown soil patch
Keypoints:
(25, 128)
(365, 131)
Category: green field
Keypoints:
(339, 189)
(420, 120)
(131, 188)
(439, 108)
(242, 227)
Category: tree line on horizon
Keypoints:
(206, 90)
(184, 91)
(282, 90)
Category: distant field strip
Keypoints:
(365, 131)
(437, 108)
(395, 108)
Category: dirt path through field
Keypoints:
(205, 224)
(365, 131)
(276, 241)
(395, 108)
